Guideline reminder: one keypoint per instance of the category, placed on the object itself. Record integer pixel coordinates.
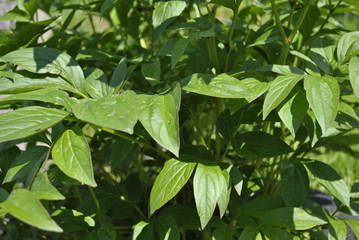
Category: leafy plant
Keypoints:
(178, 119)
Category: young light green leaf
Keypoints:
(25, 162)
(278, 91)
(291, 218)
(167, 228)
(293, 110)
(323, 97)
(170, 181)
(222, 86)
(225, 194)
(354, 74)
(118, 77)
(48, 60)
(43, 189)
(96, 83)
(331, 180)
(23, 205)
(178, 50)
(207, 188)
(152, 71)
(166, 10)
(72, 155)
(348, 46)
(159, 116)
(337, 229)
(50, 95)
(294, 183)
(113, 111)
(259, 145)
(28, 121)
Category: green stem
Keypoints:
(211, 44)
(290, 19)
(97, 204)
(277, 19)
(135, 140)
(218, 142)
(331, 11)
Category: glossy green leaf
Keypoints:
(113, 111)
(354, 225)
(225, 194)
(337, 229)
(170, 181)
(142, 231)
(259, 145)
(72, 155)
(323, 97)
(322, 53)
(48, 60)
(25, 162)
(96, 83)
(43, 189)
(178, 50)
(28, 121)
(310, 66)
(354, 74)
(274, 233)
(291, 218)
(293, 110)
(23, 205)
(294, 183)
(223, 86)
(50, 95)
(250, 233)
(331, 180)
(166, 10)
(207, 187)
(167, 228)
(280, 69)
(348, 46)
(118, 77)
(152, 72)
(278, 91)
(3, 196)
(159, 116)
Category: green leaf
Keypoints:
(310, 66)
(236, 179)
(49, 95)
(207, 187)
(354, 74)
(159, 116)
(113, 111)
(48, 60)
(348, 46)
(223, 199)
(222, 86)
(337, 229)
(259, 145)
(166, 10)
(28, 121)
(178, 50)
(354, 225)
(222, 232)
(96, 83)
(106, 6)
(72, 155)
(167, 228)
(293, 110)
(23, 205)
(323, 97)
(118, 77)
(250, 233)
(278, 91)
(185, 216)
(43, 189)
(322, 53)
(331, 180)
(280, 69)
(226, 3)
(294, 183)
(152, 72)
(142, 231)
(170, 181)
(291, 218)
(274, 233)
(25, 162)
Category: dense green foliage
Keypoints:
(180, 119)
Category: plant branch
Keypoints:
(97, 204)
(331, 11)
(278, 22)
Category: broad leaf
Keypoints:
(23, 205)
(178, 50)
(118, 77)
(170, 181)
(142, 231)
(30, 159)
(167, 228)
(223, 86)
(259, 145)
(278, 91)
(159, 116)
(274, 233)
(354, 74)
(166, 10)
(227, 3)
(250, 233)
(207, 187)
(48, 60)
(331, 180)
(236, 179)
(223, 199)
(280, 69)
(323, 97)
(96, 83)
(291, 218)
(222, 232)
(294, 183)
(310, 66)
(354, 225)
(72, 155)
(28, 121)
(322, 51)
(337, 229)
(43, 189)
(348, 46)
(117, 112)
(152, 72)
